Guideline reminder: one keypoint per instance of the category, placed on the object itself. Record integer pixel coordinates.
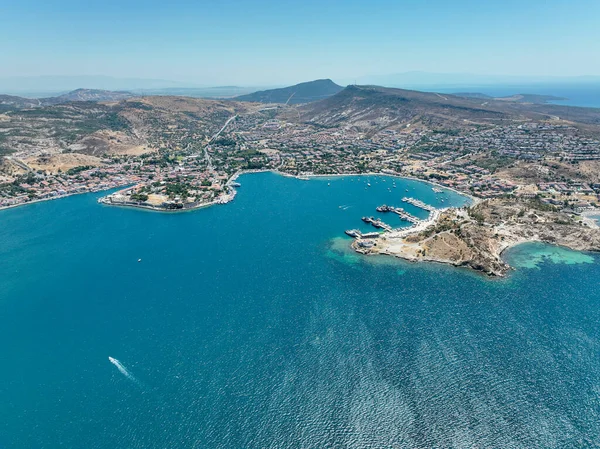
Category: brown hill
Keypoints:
(374, 107)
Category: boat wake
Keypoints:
(123, 370)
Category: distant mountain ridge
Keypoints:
(8, 102)
(89, 95)
(298, 94)
(53, 85)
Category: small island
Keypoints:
(476, 236)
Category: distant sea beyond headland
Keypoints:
(583, 95)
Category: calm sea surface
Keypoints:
(584, 94)
(251, 325)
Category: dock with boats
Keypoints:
(400, 212)
(377, 223)
(367, 240)
(355, 233)
(418, 203)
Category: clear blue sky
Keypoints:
(258, 42)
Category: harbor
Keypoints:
(368, 240)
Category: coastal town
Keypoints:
(180, 153)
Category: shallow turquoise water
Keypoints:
(251, 325)
(534, 255)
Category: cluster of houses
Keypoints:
(445, 156)
(44, 187)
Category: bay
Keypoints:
(253, 325)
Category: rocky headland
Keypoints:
(476, 236)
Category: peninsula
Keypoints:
(476, 236)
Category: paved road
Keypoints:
(206, 155)
(20, 163)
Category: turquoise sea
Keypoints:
(584, 94)
(252, 325)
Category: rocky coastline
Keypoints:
(476, 236)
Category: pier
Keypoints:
(400, 212)
(418, 203)
(377, 223)
(355, 233)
